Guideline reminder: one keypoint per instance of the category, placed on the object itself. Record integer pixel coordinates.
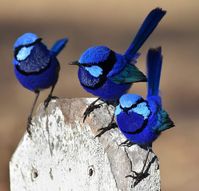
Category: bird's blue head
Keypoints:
(97, 60)
(23, 46)
(133, 103)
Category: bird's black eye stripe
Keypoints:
(126, 109)
(18, 48)
(107, 65)
(87, 65)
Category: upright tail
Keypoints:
(154, 66)
(58, 46)
(149, 24)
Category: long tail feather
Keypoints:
(149, 24)
(58, 46)
(154, 66)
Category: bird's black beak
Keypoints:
(74, 63)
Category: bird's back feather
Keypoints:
(130, 123)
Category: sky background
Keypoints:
(112, 23)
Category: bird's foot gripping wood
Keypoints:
(91, 108)
(138, 176)
(111, 125)
(127, 143)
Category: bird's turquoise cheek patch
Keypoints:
(24, 53)
(142, 109)
(95, 71)
(127, 100)
(118, 110)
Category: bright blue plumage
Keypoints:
(114, 72)
(58, 46)
(36, 67)
(95, 55)
(142, 121)
(25, 39)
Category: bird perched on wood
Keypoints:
(108, 74)
(142, 120)
(36, 67)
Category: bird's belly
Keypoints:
(109, 90)
(39, 81)
(145, 138)
(135, 131)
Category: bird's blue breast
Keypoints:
(40, 80)
(137, 129)
(109, 91)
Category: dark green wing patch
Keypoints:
(129, 74)
(164, 122)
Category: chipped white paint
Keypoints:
(63, 154)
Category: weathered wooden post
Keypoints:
(64, 155)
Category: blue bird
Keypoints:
(142, 120)
(108, 74)
(36, 67)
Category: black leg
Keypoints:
(138, 176)
(127, 143)
(111, 125)
(91, 108)
(50, 97)
(31, 112)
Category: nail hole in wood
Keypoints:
(91, 171)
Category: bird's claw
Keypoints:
(104, 129)
(89, 109)
(138, 176)
(126, 143)
(48, 99)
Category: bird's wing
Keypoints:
(58, 46)
(132, 124)
(163, 122)
(129, 74)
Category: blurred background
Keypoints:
(112, 23)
